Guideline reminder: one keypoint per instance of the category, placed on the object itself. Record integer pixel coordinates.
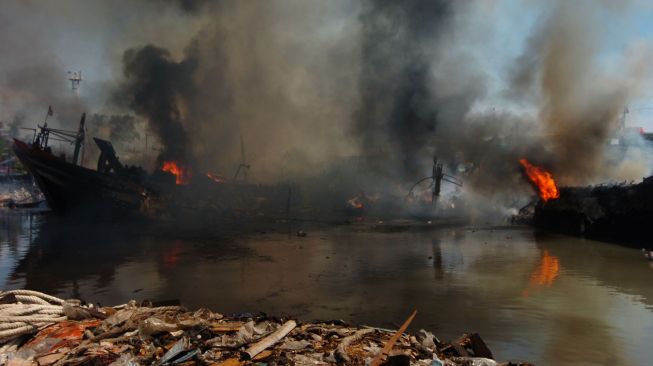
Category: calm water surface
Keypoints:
(552, 300)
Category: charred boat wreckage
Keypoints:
(114, 188)
(612, 212)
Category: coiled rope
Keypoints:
(35, 294)
(31, 311)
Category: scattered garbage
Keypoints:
(16, 196)
(41, 330)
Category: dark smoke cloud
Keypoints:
(90, 36)
(278, 76)
(190, 6)
(421, 94)
(122, 127)
(155, 87)
(308, 83)
(416, 82)
(398, 109)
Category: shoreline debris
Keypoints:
(273, 338)
(388, 347)
(42, 330)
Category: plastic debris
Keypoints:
(174, 351)
(151, 326)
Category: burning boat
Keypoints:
(615, 212)
(116, 189)
(618, 212)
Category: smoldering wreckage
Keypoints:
(116, 189)
(423, 105)
(39, 329)
(176, 191)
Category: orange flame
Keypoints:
(542, 180)
(181, 174)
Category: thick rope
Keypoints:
(15, 306)
(30, 319)
(32, 311)
(12, 333)
(35, 310)
(31, 299)
(5, 326)
(41, 295)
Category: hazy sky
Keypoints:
(91, 35)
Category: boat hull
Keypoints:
(69, 187)
(620, 214)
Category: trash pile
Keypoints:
(38, 329)
(17, 197)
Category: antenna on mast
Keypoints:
(75, 78)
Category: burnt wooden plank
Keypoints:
(479, 347)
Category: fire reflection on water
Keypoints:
(545, 274)
(172, 254)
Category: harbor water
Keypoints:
(544, 298)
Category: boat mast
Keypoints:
(243, 166)
(79, 139)
(76, 78)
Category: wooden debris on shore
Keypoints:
(140, 334)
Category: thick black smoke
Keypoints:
(122, 127)
(398, 108)
(286, 77)
(190, 6)
(155, 87)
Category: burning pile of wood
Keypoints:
(68, 333)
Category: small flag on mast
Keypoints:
(50, 112)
